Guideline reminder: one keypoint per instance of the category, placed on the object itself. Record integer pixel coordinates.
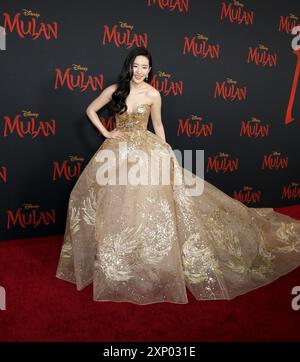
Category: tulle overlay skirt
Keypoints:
(147, 243)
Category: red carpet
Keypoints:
(41, 307)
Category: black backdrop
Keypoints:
(201, 50)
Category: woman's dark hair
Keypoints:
(117, 104)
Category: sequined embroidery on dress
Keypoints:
(147, 244)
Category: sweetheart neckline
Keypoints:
(142, 104)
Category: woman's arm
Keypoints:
(97, 104)
(156, 115)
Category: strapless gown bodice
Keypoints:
(137, 120)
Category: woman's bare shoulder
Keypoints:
(152, 89)
(114, 86)
(111, 88)
(152, 93)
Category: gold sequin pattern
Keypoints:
(146, 244)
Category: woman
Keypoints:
(145, 242)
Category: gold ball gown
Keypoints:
(146, 244)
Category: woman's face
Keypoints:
(140, 68)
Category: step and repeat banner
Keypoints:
(227, 71)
